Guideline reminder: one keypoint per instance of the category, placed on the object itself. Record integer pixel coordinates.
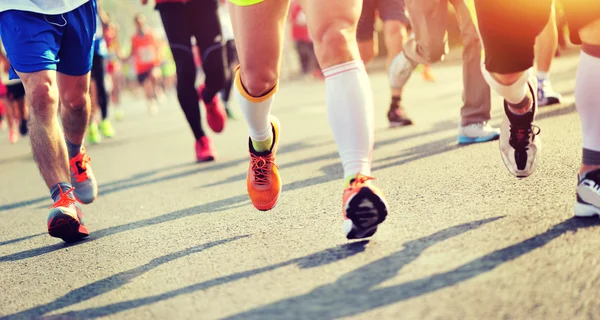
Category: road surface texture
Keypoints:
(174, 239)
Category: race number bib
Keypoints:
(146, 54)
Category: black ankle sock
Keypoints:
(591, 157)
(395, 102)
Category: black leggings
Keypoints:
(232, 62)
(98, 77)
(198, 19)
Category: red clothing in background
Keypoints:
(299, 27)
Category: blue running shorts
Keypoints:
(62, 42)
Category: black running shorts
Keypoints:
(15, 91)
(508, 28)
(388, 10)
(143, 76)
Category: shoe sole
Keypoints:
(521, 173)
(586, 210)
(67, 228)
(365, 220)
(548, 102)
(400, 124)
(207, 159)
(269, 206)
(469, 140)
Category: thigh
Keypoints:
(366, 22)
(97, 71)
(73, 89)
(259, 32)
(393, 10)
(579, 14)
(179, 35)
(77, 43)
(332, 25)
(429, 20)
(509, 38)
(31, 41)
(203, 19)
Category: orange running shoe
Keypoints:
(363, 207)
(83, 179)
(264, 182)
(65, 220)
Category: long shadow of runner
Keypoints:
(412, 251)
(137, 180)
(7, 242)
(203, 208)
(438, 127)
(114, 282)
(315, 260)
(331, 173)
(327, 302)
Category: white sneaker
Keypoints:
(546, 95)
(477, 132)
(588, 195)
(519, 146)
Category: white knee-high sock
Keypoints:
(351, 115)
(514, 93)
(400, 71)
(256, 110)
(587, 86)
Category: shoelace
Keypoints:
(64, 200)
(79, 166)
(359, 180)
(261, 165)
(519, 135)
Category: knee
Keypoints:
(75, 101)
(507, 79)
(258, 81)
(394, 29)
(433, 52)
(590, 34)
(368, 50)
(333, 41)
(43, 99)
(471, 42)
(186, 77)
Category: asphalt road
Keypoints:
(174, 239)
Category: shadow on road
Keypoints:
(214, 206)
(138, 180)
(329, 301)
(330, 173)
(114, 282)
(21, 239)
(315, 260)
(438, 127)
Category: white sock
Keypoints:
(256, 110)
(542, 75)
(514, 93)
(400, 71)
(351, 115)
(587, 86)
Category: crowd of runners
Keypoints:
(63, 65)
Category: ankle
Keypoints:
(395, 104)
(522, 107)
(262, 146)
